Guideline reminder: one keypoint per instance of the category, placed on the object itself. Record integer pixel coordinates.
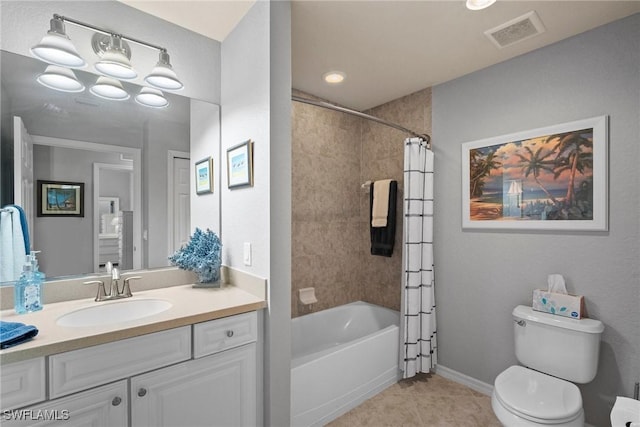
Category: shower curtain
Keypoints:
(419, 349)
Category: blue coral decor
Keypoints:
(202, 255)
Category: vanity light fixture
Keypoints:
(60, 78)
(479, 4)
(150, 97)
(109, 88)
(162, 76)
(115, 64)
(334, 77)
(56, 47)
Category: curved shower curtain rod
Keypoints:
(329, 106)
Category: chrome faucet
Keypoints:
(114, 288)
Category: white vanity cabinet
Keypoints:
(23, 383)
(104, 406)
(218, 390)
(198, 375)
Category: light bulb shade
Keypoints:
(108, 88)
(114, 62)
(479, 4)
(60, 78)
(56, 48)
(162, 76)
(150, 97)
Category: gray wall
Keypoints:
(159, 137)
(256, 104)
(481, 276)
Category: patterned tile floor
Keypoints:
(426, 400)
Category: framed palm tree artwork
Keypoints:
(551, 178)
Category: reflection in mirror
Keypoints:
(108, 208)
(122, 151)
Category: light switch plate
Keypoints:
(247, 253)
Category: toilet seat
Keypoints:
(538, 397)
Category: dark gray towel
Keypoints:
(382, 238)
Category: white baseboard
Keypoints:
(463, 379)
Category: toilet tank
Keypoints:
(559, 346)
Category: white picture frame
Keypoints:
(549, 178)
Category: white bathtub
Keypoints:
(341, 357)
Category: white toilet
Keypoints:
(555, 350)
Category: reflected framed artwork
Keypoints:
(204, 176)
(550, 178)
(240, 165)
(61, 199)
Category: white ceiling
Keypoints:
(389, 49)
(211, 18)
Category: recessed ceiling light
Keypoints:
(334, 77)
(479, 4)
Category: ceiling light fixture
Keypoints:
(479, 4)
(115, 63)
(150, 97)
(56, 47)
(334, 77)
(60, 78)
(109, 88)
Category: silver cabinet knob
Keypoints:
(116, 401)
(142, 392)
(229, 333)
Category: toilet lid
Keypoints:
(537, 396)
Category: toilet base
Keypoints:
(509, 419)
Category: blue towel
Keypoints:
(14, 333)
(25, 228)
(12, 244)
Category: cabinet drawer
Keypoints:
(221, 334)
(22, 383)
(105, 406)
(88, 367)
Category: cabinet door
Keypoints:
(218, 390)
(100, 407)
(23, 383)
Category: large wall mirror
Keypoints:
(135, 163)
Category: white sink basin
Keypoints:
(109, 313)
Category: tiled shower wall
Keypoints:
(333, 154)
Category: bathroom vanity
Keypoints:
(193, 364)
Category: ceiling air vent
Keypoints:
(516, 30)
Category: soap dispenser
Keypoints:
(28, 288)
(35, 267)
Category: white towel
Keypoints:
(380, 209)
(12, 249)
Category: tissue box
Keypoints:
(560, 304)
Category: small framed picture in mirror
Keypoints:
(240, 165)
(59, 198)
(204, 176)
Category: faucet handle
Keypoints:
(126, 289)
(102, 294)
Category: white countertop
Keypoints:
(189, 305)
